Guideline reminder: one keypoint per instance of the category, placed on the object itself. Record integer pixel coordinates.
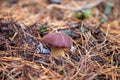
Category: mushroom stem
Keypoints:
(57, 52)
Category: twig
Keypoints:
(90, 5)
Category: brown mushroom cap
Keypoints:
(58, 40)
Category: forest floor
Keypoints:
(93, 25)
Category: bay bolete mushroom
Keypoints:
(57, 41)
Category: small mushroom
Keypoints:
(57, 41)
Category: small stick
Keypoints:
(80, 8)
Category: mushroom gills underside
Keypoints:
(57, 52)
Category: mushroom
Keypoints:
(57, 41)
